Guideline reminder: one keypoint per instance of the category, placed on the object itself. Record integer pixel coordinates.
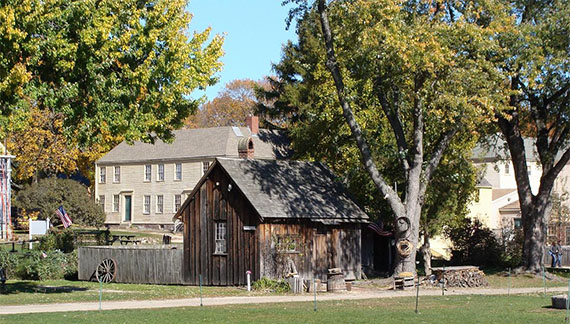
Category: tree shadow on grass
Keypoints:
(32, 287)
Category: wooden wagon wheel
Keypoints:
(106, 271)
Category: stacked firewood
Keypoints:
(463, 276)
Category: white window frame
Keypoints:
(102, 174)
(146, 204)
(101, 201)
(220, 233)
(159, 173)
(205, 166)
(177, 206)
(117, 174)
(159, 204)
(177, 172)
(147, 172)
(116, 203)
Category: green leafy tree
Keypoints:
(534, 58)
(402, 83)
(112, 70)
(48, 194)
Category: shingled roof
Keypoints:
(289, 190)
(200, 143)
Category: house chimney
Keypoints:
(253, 124)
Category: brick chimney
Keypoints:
(245, 148)
(253, 124)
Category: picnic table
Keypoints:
(124, 239)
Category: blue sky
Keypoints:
(254, 33)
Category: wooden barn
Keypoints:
(273, 218)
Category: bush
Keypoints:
(48, 194)
(473, 244)
(58, 240)
(37, 265)
(9, 262)
(70, 269)
(512, 246)
(266, 284)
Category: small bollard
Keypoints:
(509, 284)
(544, 280)
(567, 302)
(248, 272)
(417, 294)
(443, 281)
(315, 294)
(100, 293)
(201, 291)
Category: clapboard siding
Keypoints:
(150, 265)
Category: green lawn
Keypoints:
(501, 280)
(456, 309)
(53, 291)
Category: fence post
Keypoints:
(100, 293)
(201, 291)
(567, 302)
(315, 294)
(443, 281)
(509, 284)
(417, 294)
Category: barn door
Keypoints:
(320, 256)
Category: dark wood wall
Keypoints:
(211, 203)
(320, 247)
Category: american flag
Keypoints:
(63, 216)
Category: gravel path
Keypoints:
(212, 301)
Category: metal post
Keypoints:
(248, 280)
(567, 301)
(443, 281)
(544, 280)
(100, 293)
(417, 294)
(509, 288)
(30, 232)
(315, 294)
(201, 291)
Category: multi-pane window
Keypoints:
(102, 201)
(102, 174)
(147, 172)
(159, 204)
(178, 172)
(146, 204)
(160, 173)
(220, 237)
(205, 167)
(117, 174)
(115, 203)
(177, 202)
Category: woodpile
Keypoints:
(462, 276)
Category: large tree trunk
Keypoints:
(426, 253)
(534, 228)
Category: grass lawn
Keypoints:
(455, 309)
(501, 280)
(54, 291)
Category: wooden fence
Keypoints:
(565, 256)
(135, 264)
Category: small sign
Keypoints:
(249, 228)
(39, 227)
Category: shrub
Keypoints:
(473, 244)
(9, 261)
(70, 269)
(58, 240)
(266, 284)
(48, 194)
(37, 265)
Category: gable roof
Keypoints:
(202, 142)
(289, 190)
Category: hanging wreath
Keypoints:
(404, 247)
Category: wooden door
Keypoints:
(128, 209)
(320, 256)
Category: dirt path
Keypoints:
(212, 301)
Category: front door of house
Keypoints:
(128, 205)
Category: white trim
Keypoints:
(115, 168)
(156, 205)
(146, 212)
(158, 172)
(145, 179)
(175, 171)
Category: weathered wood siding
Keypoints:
(214, 202)
(135, 264)
(319, 248)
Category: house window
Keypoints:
(507, 168)
(178, 172)
(115, 203)
(146, 204)
(160, 173)
(205, 167)
(220, 237)
(147, 172)
(517, 222)
(102, 174)
(102, 202)
(177, 202)
(288, 243)
(159, 204)
(117, 174)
